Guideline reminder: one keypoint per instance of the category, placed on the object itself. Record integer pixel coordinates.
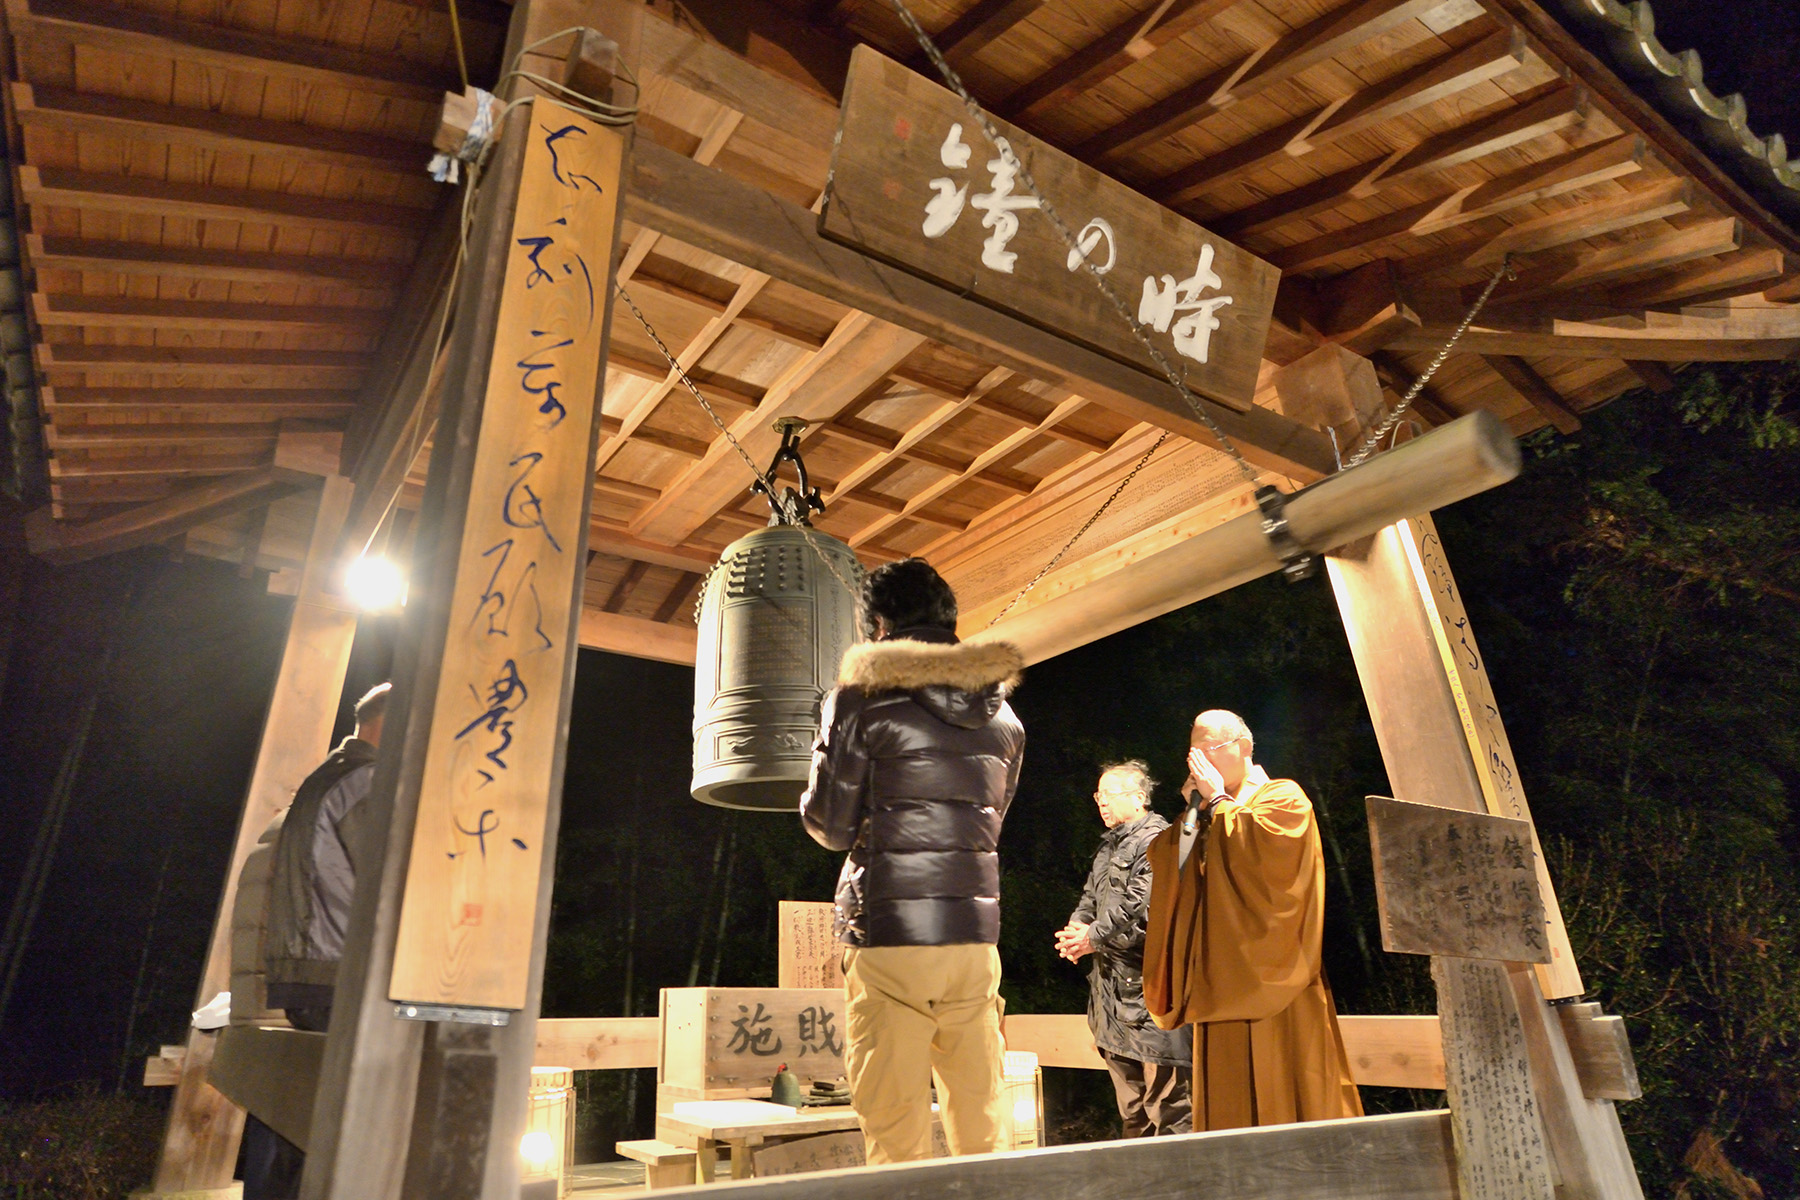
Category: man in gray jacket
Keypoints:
(1151, 1068)
(311, 884)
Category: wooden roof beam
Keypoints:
(637, 637)
(1720, 235)
(628, 583)
(1556, 176)
(1536, 390)
(1753, 336)
(1351, 25)
(1446, 75)
(157, 521)
(984, 23)
(133, 312)
(1395, 379)
(612, 537)
(1652, 375)
(1726, 276)
(272, 404)
(126, 466)
(889, 446)
(1066, 407)
(211, 433)
(1565, 226)
(275, 368)
(137, 31)
(689, 359)
(46, 106)
(1561, 108)
(955, 404)
(235, 266)
(861, 352)
(680, 595)
(714, 212)
(1132, 40)
(138, 195)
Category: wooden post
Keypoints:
(1443, 743)
(417, 1096)
(200, 1148)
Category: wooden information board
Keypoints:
(465, 930)
(808, 954)
(1501, 1153)
(916, 183)
(1454, 882)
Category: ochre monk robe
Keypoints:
(1233, 948)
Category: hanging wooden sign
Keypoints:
(466, 923)
(1456, 883)
(915, 182)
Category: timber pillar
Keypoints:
(200, 1147)
(423, 1090)
(1527, 1125)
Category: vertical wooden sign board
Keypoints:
(465, 931)
(808, 954)
(914, 181)
(1495, 768)
(1500, 1150)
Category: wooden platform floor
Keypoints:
(618, 1178)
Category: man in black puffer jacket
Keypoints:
(917, 760)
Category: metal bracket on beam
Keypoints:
(1297, 562)
(496, 1017)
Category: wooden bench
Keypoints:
(666, 1165)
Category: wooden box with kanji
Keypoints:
(727, 1043)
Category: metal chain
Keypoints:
(1373, 439)
(1106, 289)
(1087, 525)
(791, 519)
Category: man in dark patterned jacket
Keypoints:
(1151, 1068)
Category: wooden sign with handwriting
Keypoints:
(472, 883)
(1456, 883)
(808, 954)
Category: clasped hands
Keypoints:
(1072, 941)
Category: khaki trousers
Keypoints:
(914, 1012)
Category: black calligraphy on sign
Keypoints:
(817, 1034)
(506, 695)
(754, 1033)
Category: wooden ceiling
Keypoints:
(225, 205)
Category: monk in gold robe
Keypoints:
(1237, 914)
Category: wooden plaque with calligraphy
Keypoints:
(1456, 883)
(808, 954)
(465, 931)
(916, 183)
(725, 1043)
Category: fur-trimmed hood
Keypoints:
(960, 683)
(905, 665)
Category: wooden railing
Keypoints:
(1384, 1051)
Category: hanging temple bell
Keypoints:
(774, 621)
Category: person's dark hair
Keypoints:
(907, 594)
(1138, 767)
(373, 705)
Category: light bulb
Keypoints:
(537, 1148)
(375, 584)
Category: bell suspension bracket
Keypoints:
(792, 506)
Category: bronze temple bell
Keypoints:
(774, 623)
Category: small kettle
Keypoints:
(785, 1089)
